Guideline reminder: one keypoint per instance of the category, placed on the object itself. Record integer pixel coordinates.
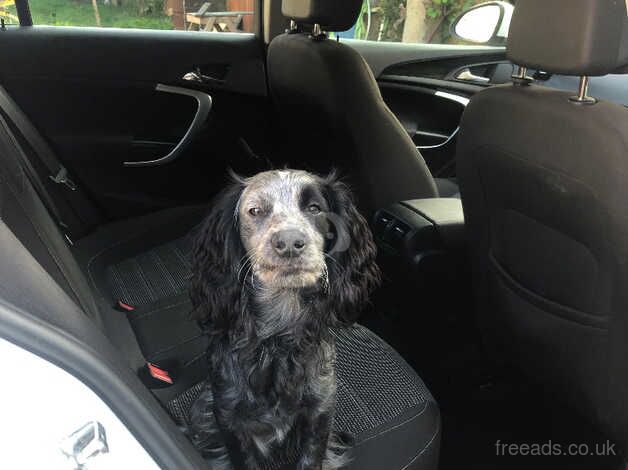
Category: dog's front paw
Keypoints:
(306, 464)
(338, 455)
(335, 461)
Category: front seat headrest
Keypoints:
(570, 37)
(331, 15)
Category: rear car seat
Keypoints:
(129, 278)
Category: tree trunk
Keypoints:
(415, 27)
(96, 13)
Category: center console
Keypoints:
(414, 231)
(422, 252)
(425, 306)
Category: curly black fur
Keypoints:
(271, 391)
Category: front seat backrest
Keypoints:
(544, 181)
(331, 108)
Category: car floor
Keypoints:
(482, 406)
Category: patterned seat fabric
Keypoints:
(378, 394)
(382, 404)
(151, 276)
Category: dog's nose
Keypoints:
(288, 242)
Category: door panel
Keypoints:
(433, 132)
(427, 86)
(383, 55)
(413, 76)
(93, 94)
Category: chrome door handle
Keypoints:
(467, 76)
(197, 76)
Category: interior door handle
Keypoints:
(467, 76)
(197, 76)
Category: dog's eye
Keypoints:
(256, 211)
(314, 209)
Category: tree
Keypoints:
(96, 13)
(440, 15)
(412, 21)
(415, 28)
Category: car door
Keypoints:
(427, 88)
(142, 118)
(428, 81)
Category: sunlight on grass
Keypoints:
(81, 13)
(7, 12)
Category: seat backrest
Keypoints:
(331, 110)
(25, 214)
(544, 182)
(69, 205)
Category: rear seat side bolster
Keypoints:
(36, 314)
(126, 238)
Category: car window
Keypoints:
(235, 16)
(410, 21)
(8, 14)
(609, 87)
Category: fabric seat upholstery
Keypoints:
(143, 261)
(342, 116)
(543, 182)
(382, 402)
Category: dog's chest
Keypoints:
(285, 376)
(269, 392)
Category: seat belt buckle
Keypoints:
(62, 178)
(160, 375)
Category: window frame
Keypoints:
(23, 13)
(26, 18)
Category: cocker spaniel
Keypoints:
(282, 257)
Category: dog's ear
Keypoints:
(354, 274)
(215, 290)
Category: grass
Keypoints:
(81, 13)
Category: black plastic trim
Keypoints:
(435, 84)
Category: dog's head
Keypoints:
(284, 230)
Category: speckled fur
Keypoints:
(271, 392)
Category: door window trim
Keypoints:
(26, 18)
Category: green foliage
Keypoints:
(7, 12)
(391, 14)
(81, 13)
(148, 7)
(448, 9)
(439, 15)
(445, 12)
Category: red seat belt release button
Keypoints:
(159, 374)
(126, 307)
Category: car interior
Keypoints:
(497, 206)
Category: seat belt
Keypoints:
(58, 172)
(29, 171)
(82, 209)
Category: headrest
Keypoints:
(332, 15)
(570, 37)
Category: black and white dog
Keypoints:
(282, 257)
